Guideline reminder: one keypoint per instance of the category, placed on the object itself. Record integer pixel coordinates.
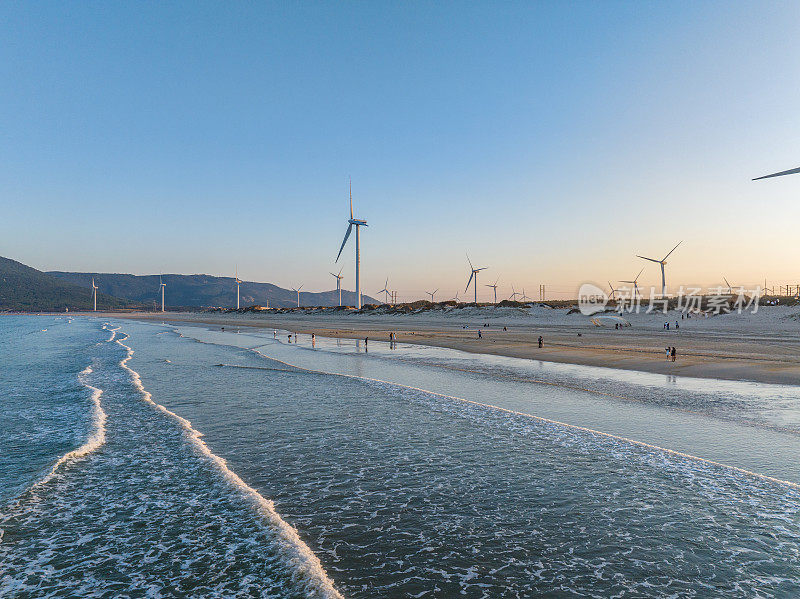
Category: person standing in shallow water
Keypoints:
(541, 342)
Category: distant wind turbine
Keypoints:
(662, 263)
(94, 294)
(238, 282)
(432, 293)
(339, 284)
(161, 285)
(473, 275)
(514, 294)
(524, 297)
(494, 287)
(613, 291)
(386, 291)
(455, 299)
(298, 294)
(793, 171)
(730, 287)
(635, 284)
(358, 224)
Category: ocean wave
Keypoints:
(96, 438)
(307, 570)
(565, 425)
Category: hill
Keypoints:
(26, 289)
(198, 291)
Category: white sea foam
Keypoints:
(307, 570)
(574, 427)
(96, 438)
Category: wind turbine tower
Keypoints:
(339, 284)
(298, 294)
(358, 223)
(473, 275)
(635, 284)
(385, 291)
(494, 287)
(161, 285)
(662, 263)
(94, 294)
(238, 282)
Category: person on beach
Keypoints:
(366, 342)
(669, 352)
(274, 333)
(673, 354)
(479, 335)
(541, 342)
(290, 337)
(676, 325)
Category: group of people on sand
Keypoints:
(670, 353)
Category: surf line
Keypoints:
(583, 429)
(304, 563)
(96, 439)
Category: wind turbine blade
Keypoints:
(789, 172)
(471, 274)
(639, 275)
(672, 250)
(351, 198)
(346, 235)
(340, 271)
(436, 291)
(726, 282)
(651, 259)
(470, 263)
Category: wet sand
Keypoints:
(721, 350)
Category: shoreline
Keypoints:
(721, 355)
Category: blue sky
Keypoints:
(552, 141)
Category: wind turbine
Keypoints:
(455, 299)
(662, 263)
(161, 285)
(339, 284)
(514, 294)
(635, 284)
(524, 297)
(238, 282)
(473, 275)
(730, 288)
(94, 294)
(298, 294)
(494, 286)
(358, 224)
(613, 291)
(431, 293)
(792, 171)
(386, 291)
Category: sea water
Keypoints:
(157, 460)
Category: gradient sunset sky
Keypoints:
(551, 141)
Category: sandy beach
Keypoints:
(763, 347)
